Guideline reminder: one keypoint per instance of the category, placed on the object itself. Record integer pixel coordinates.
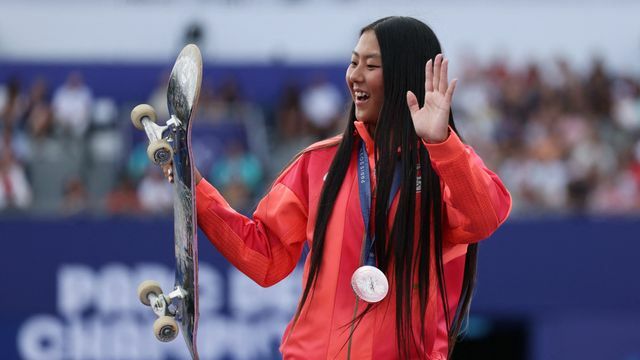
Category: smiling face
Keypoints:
(364, 78)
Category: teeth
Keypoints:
(361, 94)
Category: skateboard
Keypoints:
(177, 311)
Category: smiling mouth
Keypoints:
(361, 96)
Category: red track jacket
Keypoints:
(268, 247)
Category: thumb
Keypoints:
(412, 102)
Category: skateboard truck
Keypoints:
(144, 118)
(150, 294)
(173, 120)
(160, 303)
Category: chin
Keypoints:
(367, 116)
(363, 117)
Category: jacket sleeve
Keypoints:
(265, 248)
(476, 202)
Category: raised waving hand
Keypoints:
(432, 120)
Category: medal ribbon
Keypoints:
(364, 188)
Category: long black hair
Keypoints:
(405, 45)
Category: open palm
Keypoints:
(432, 120)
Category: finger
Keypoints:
(169, 173)
(428, 71)
(444, 82)
(412, 102)
(436, 72)
(450, 90)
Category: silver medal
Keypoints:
(369, 283)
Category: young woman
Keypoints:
(391, 210)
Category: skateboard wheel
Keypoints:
(160, 152)
(148, 287)
(165, 328)
(140, 112)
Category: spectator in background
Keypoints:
(292, 130)
(239, 173)
(138, 162)
(615, 195)
(3, 96)
(598, 90)
(633, 169)
(226, 104)
(475, 108)
(291, 120)
(12, 121)
(230, 97)
(227, 107)
(72, 105)
(626, 105)
(208, 105)
(75, 199)
(36, 119)
(154, 194)
(72, 109)
(158, 97)
(123, 200)
(40, 122)
(547, 177)
(104, 152)
(323, 105)
(38, 96)
(15, 190)
(48, 157)
(12, 108)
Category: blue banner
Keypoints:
(72, 283)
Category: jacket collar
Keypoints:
(361, 128)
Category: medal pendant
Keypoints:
(370, 284)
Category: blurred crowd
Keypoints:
(563, 141)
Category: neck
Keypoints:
(371, 129)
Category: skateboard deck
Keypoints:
(172, 143)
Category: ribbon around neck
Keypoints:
(364, 189)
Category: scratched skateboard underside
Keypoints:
(170, 141)
(182, 97)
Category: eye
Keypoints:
(353, 63)
(371, 66)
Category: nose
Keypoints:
(356, 75)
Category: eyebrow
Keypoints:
(367, 56)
